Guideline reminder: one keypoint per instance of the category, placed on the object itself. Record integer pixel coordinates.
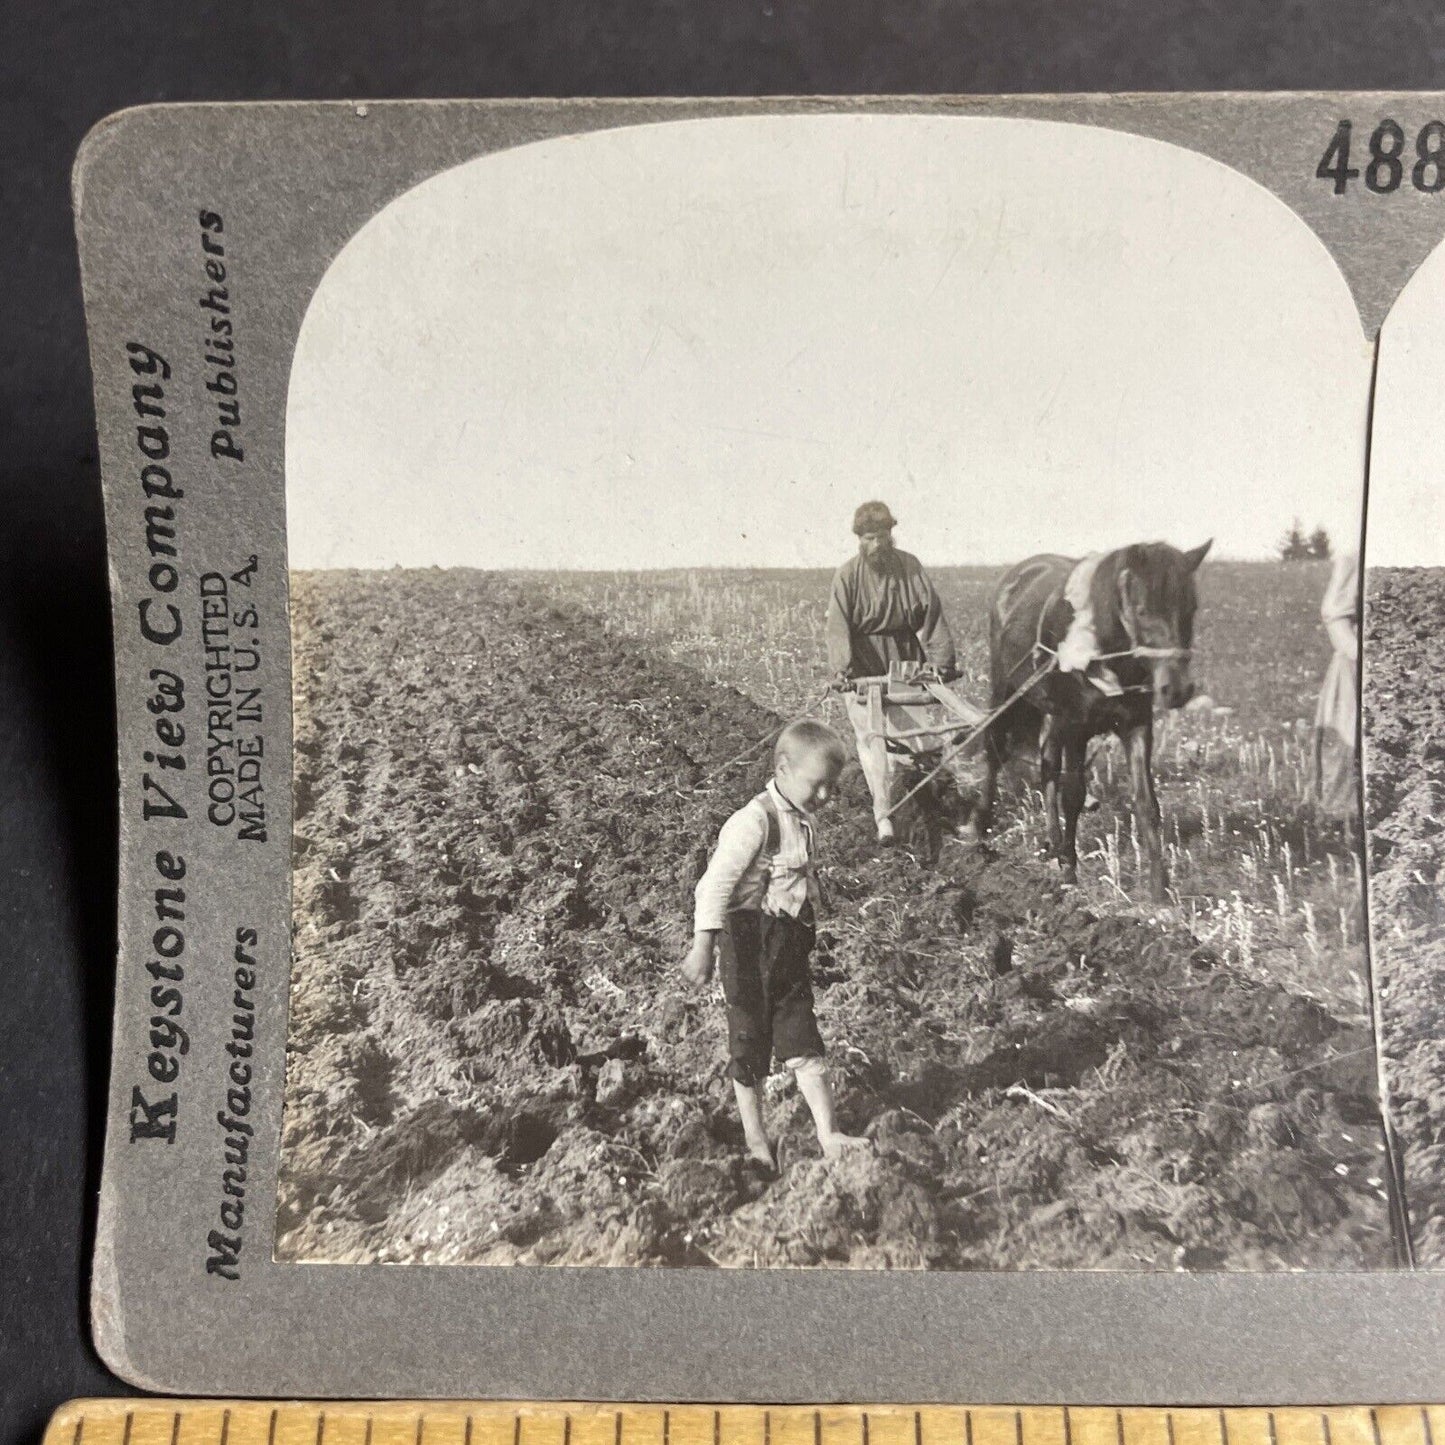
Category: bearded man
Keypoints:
(883, 609)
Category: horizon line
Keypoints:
(754, 566)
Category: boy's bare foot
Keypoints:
(835, 1145)
(761, 1152)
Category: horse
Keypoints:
(1141, 600)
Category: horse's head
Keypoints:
(1156, 599)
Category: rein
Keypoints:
(1139, 650)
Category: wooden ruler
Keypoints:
(237, 1422)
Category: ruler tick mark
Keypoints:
(171, 1425)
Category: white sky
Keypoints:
(1407, 453)
(703, 343)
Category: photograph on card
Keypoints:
(1404, 742)
(821, 734)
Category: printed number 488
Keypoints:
(1386, 167)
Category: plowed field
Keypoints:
(1405, 811)
(502, 804)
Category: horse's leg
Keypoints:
(1051, 748)
(1074, 789)
(1139, 744)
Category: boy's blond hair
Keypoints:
(807, 737)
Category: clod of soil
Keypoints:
(501, 806)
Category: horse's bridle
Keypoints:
(1138, 650)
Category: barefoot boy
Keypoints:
(756, 906)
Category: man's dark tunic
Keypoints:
(883, 613)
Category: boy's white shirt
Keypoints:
(738, 876)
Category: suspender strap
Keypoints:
(775, 828)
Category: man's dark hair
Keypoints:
(873, 517)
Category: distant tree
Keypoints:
(1294, 546)
(1319, 544)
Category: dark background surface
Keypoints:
(65, 65)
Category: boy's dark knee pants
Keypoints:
(764, 967)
